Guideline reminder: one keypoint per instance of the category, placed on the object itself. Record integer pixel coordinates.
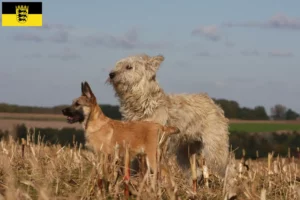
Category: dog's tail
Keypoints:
(170, 130)
(166, 132)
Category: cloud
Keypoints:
(210, 32)
(229, 44)
(129, 40)
(276, 53)
(62, 34)
(60, 27)
(66, 55)
(105, 70)
(57, 33)
(28, 37)
(278, 21)
(34, 55)
(285, 22)
(180, 63)
(250, 53)
(238, 80)
(280, 54)
(204, 54)
(233, 81)
(220, 84)
(132, 35)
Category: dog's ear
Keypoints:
(87, 91)
(82, 89)
(155, 61)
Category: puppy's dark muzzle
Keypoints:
(69, 112)
(72, 115)
(66, 111)
(112, 75)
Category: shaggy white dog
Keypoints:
(203, 126)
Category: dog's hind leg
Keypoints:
(184, 153)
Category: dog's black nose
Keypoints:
(112, 75)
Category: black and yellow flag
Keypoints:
(22, 14)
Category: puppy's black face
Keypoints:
(81, 106)
(73, 115)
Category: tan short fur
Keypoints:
(103, 132)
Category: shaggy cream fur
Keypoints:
(203, 126)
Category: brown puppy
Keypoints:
(103, 132)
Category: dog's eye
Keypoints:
(77, 104)
(128, 67)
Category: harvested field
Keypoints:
(30, 116)
(8, 124)
(8, 120)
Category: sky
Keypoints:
(245, 51)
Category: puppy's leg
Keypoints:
(151, 161)
(89, 148)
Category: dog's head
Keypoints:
(133, 70)
(81, 106)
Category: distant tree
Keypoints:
(231, 108)
(260, 113)
(291, 115)
(278, 112)
(246, 114)
(111, 111)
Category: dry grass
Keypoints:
(55, 172)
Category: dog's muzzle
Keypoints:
(65, 111)
(72, 116)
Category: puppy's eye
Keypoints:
(128, 67)
(77, 104)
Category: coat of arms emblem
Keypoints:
(22, 13)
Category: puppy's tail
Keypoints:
(166, 132)
(170, 130)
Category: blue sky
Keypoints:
(241, 50)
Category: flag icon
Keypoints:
(22, 14)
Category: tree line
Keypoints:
(231, 108)
(109, 110)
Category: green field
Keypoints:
(263, 127)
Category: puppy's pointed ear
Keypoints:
(87, 91)
(155, 61)
(82, 89)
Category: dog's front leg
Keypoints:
(89, 148)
